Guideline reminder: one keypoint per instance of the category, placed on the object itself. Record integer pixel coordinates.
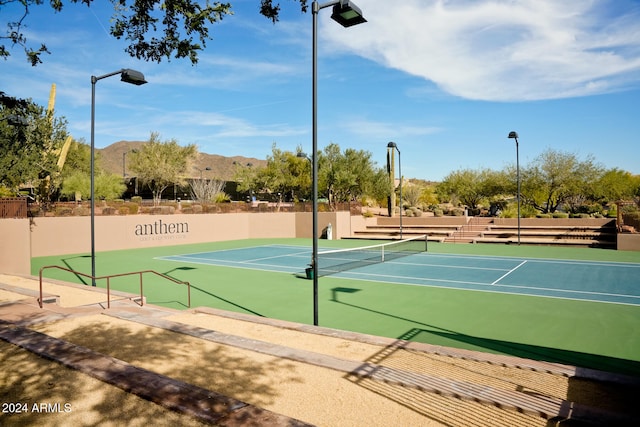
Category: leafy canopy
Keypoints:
(160, 164)
(154, 29)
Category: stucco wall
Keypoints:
(585, 222)
(628, 242)
(14, 246)
(71, 235)
(52, 236)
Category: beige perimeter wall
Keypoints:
(22, 239)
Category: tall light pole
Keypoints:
(393, 146)
(346, 14)
(514, 135)
(128, 76)
(202, 170)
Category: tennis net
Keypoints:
(335, 261)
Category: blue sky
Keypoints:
(446, 80)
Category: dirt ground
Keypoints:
(282, 375)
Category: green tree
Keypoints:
(160, 164)
(108, 186)
(76, 185)
(155, 29)
(28, 144)
(615, 185)
(349, 175)
(555, 178)
(285, 174)
(469, 187)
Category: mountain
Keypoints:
(113, 156)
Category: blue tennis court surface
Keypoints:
(582, 280)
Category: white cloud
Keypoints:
(222, 125)
(501, 50)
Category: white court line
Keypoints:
(232, 264)
(509, 272)
(455, 267)
(299, 254)
(368, 276)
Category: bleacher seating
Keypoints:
(600, 233)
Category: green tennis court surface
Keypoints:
(575, 306)
(582, 280)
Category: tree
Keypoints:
(468, 186)
(345, 177)
(285, 175)
(555, 178)
(161, 164)
(206, 190)
(75, 176)
(615, 185)
(28, 145)
(155, 29)
(75, 185)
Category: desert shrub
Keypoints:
(415, 211)
(132, 208)
(109, 210)
(63, 211)
(162, 210)
(81, 211)
(580, 215)
(221, 197)
(560, 215)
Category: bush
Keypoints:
(81, 211)
(137, 200)
(414, 211)
(438, 212)
(367, 214)
(221, 197)
(123, 210)
(63, 211)
(132, 207)
(560, 215)
(580, 215)
(109, 210)
(162, 210)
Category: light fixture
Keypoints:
(393, 146)
(128, 76)
(346, 14)
(514, 135)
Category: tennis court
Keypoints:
(575, 306)
(581, 280)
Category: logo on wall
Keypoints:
(160, 230)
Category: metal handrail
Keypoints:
(140, 273)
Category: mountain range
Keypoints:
(113, 159)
